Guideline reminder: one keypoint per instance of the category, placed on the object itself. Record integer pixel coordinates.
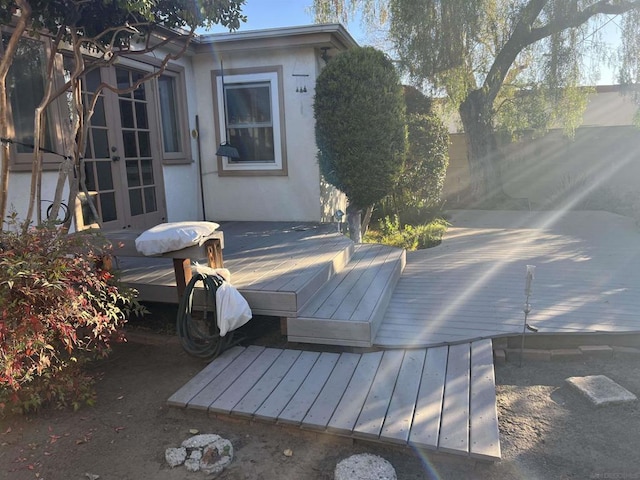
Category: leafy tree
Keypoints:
(92, 34)
(420, 184)
(360, 129)
(485, 53)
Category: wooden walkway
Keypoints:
(441, 398)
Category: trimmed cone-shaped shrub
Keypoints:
(360, 124)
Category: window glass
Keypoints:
(249, 121)
(169, 114)
(26, 85)
(249, 104)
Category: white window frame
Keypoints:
(272, 76)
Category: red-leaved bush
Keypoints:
(58, 309)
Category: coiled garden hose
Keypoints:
(201, 338)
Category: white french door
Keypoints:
(122, 163)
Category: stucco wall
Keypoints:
(181, 182)
(295, 196)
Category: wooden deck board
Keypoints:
(247, 379)
(483, 419)
(267, 384)
(426, 422)
(376, 406)
(304, 398)
(397, 423)
(285, 391)
(454, 425)
(325, 403)
(440, 398)
(221, 382)
(183, 396)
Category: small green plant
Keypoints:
(58, 309)
(410, 237)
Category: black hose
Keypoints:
(201, 338)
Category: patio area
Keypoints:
(429, 381)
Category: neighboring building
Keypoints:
(148, 152)
(597, 169)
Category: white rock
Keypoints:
(364, 466)
(196, 454)
(175, 456)
(200, 441)
(192, 465)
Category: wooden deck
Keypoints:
(349, 308)
(472, 286)
(277, 266)
(441, 398)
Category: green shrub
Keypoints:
(58, 309)
(360, 124)
(409, 237)
(417, 191)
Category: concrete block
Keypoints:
(564, 354)
(603, 351)
(623, 351)
(601, 390)
(528, 354)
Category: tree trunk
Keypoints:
(367, 219)
(482, 150)
(353, 219)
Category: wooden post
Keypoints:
(214, 253)
(182, 271)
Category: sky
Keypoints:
(283, 13)
(289, 13)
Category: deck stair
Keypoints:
(440, 398)
(349, 307)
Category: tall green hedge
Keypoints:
(418, 191)
(360, 124)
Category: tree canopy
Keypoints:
(92, 34)
(504, 63)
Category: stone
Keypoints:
(597, 350)
(364, 466)
(192, 465)
(562, 354)
(200, 441)
(175, 456)
(216, 456)
(601, 390)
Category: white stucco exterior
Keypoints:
(295, 194)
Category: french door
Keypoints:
(122, 166)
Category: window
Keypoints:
(173, 124)
(169, 114)
(254, 121)
(26, 87)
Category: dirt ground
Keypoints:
(547, 430)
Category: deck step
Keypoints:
(349, 308)
(441, 398)
(277, 268)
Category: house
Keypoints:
(597, 169)
(151, 155)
